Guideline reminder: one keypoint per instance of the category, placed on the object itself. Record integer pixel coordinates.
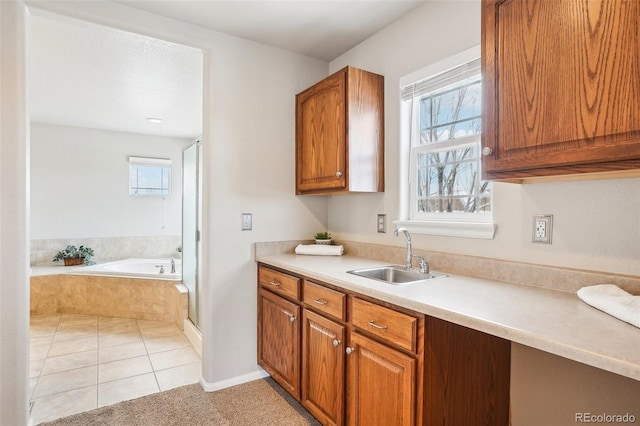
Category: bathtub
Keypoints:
(130, 288)
(134, 268)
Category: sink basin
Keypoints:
(395, 274)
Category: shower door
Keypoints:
(191, 225)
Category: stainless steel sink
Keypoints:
(396, 275)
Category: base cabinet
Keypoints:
(323, 368)
(381, 382)
(354, 360)
(279, 340)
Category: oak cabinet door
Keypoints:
(381, 384)
(279, 340)
(560, 87)
(323, 368)
(321, 139)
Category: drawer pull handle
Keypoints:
(379, 327)
(320, 301)
(274, 283)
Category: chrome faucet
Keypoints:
(408, 265)
(422, 262)
(173, 266)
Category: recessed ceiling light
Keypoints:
(154, 120)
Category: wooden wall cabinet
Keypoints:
(340, 134)
(560, 88)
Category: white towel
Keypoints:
(614, 301)
(320, 250)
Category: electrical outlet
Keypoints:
(246, 221)
(382, 223)
(542, 228)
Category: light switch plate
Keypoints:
(542, 228)
(382, 223)
(247, 221)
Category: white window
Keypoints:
(441, 115)
(149, 176)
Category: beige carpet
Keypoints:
(259, 403)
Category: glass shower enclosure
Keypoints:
(191, 226)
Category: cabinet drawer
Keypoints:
(284, 284)
(395, 327)
(324, 299)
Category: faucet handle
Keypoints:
(422, 263)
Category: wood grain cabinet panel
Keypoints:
(324, 299)
(340, 134)
(392, 326)
(323, 355)
(561, 87)
(279, 282)
(381, 383)
(279, 340)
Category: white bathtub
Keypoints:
(134, 268)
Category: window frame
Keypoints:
(458, 224)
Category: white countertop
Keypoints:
(552, 321)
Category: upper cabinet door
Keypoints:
(321, 135)
(561, 87)
(340, 134)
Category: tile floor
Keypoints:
(82, 362)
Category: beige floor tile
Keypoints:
(66, 381)
(70, 362)
(74, 333)
(129, 367)
(44, 324)
(64, 404)
(74, 321)
(166, 343)
(117, 325)
(81, 344)
(144, 324)
(115, 353)
(43, 339)
(126, 389)
(35, 367)
(159, 331)
(39, 351)
(32, 385)
(179, 376)
(174, 358)
(106, 340)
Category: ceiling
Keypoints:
(86, 75)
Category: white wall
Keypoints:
(14, 210)
(249, 129)
(80, 178)
(596, 223)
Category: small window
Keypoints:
(149, 176)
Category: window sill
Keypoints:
(484, 231)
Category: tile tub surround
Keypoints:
(145, 299)
(553, 321)
(543, 276)
(82, 362)
(108, 249)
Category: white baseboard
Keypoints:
(194, 336)
(238, 380)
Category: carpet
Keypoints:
(258, 403)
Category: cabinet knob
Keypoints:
(336, 342)
(338, 174)
(349, 350)
(292, 318)
(487, 151)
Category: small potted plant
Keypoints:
(73, 255)
(323, 238)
